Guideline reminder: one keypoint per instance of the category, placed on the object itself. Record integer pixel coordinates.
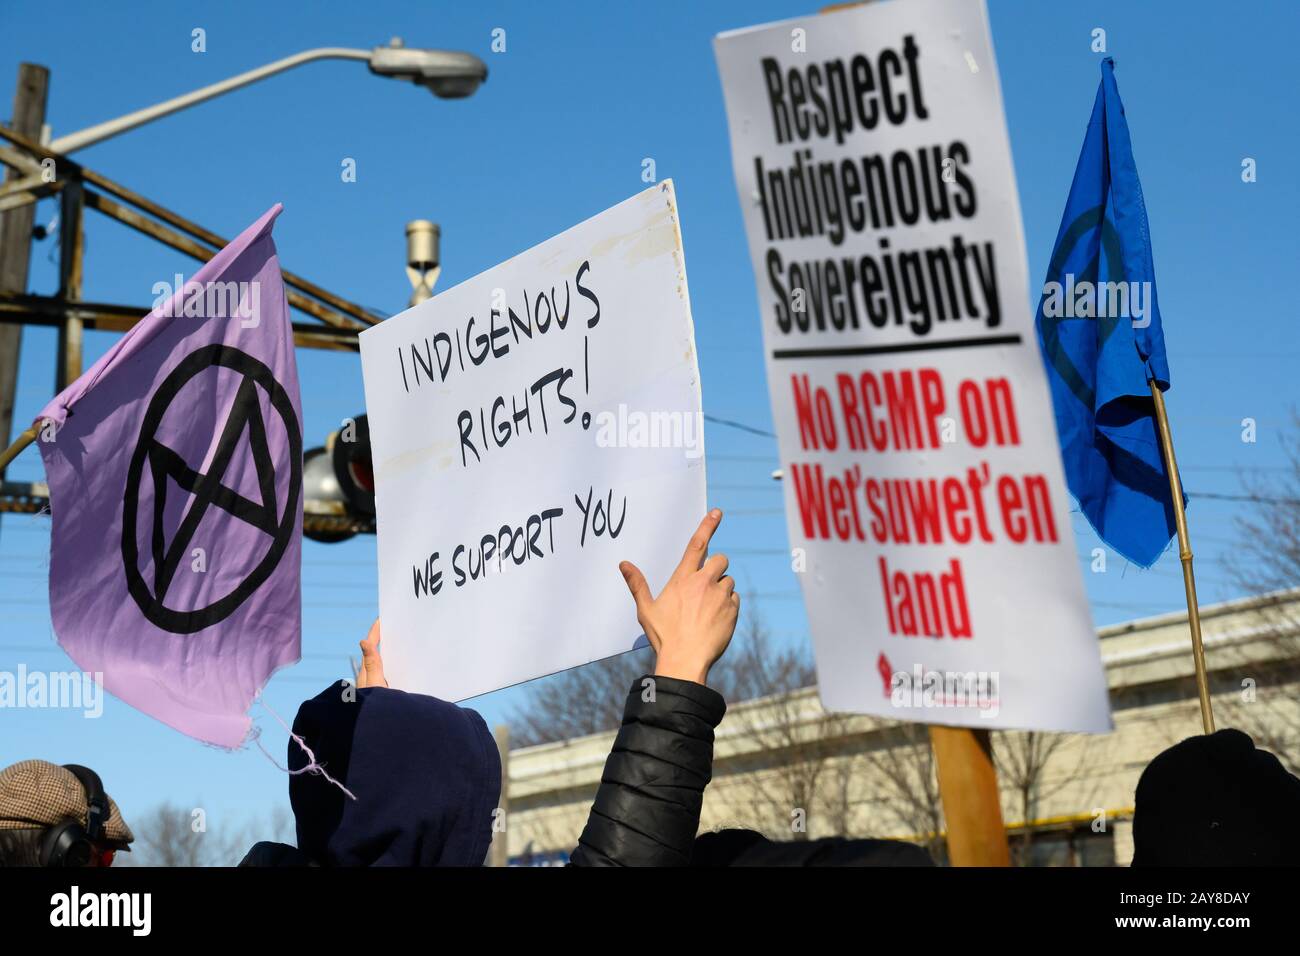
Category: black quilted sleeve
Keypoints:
(647, 809)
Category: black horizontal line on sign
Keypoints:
(839, 351)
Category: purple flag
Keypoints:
(175, 473)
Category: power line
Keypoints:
(1235, 468)
(1252, 499)
(1128, 606)
(741, 426)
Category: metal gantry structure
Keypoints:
(38, 168)
(37, 172)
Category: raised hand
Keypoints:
(691, 622)
(371, 673)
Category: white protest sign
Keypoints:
(530, 428)
(924, 491)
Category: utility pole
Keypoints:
(71, 243)
(16, 237)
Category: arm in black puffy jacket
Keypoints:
(647, 809)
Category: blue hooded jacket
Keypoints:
(425, 773)
(427, 777)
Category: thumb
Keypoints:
(636, 583)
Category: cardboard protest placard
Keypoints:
(530, 428)
(923, 484)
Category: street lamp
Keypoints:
(449, 74)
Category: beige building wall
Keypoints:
(782, 764)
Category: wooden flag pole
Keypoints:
(1185, 555)
(21, 442)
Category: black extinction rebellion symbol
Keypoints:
(207, 488)
(1082, 228)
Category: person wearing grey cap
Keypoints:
(58, 817)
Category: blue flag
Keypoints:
(1099, 328)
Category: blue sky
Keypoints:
(583, 94)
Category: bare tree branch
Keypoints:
(174, 835)
(1266, 559)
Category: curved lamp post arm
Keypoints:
(96, 134)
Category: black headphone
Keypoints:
(69, 843)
